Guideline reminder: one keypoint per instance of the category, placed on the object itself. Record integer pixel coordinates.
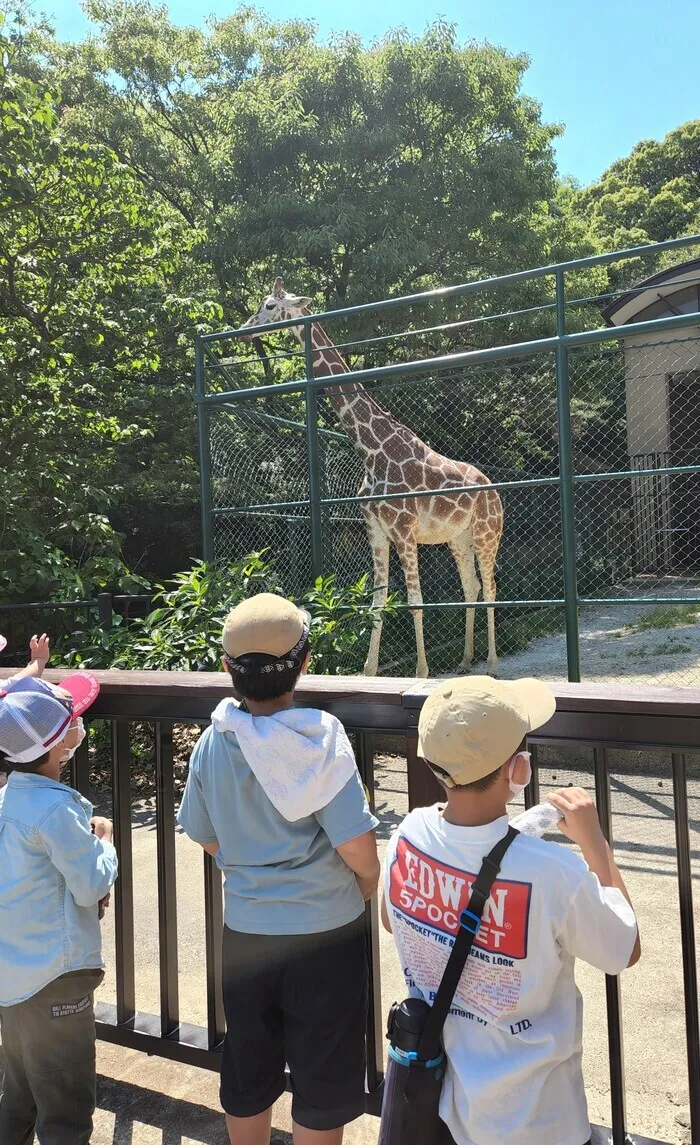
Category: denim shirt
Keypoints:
(53, 873)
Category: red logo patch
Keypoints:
(435, 895)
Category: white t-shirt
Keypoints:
(513, 1036)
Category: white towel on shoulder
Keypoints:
(301, 757)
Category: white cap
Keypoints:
(34, 717)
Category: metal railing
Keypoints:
(593, 720)
(18, 622)
(566, 482)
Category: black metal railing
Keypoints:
(61, 618)
(591, 719)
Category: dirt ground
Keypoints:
(148, 1101)
(617, 646)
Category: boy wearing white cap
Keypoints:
(57, 863)
(513, 1037)
(274, 793)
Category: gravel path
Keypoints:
(614, 650)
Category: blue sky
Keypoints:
(612, 71)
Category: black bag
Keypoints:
(410, 1109)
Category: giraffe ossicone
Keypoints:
(396, 461)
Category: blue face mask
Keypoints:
(518, 788)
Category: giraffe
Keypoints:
(397, 461)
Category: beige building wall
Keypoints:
(648, 362)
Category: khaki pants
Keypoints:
(49, 1047)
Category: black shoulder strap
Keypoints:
(469, 922)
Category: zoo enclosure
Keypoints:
(593, 515)
(604, 724)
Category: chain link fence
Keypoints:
(633, 409)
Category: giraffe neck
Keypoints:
(363, 419)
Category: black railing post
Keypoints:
(105, 610)
(532, 791)
(80, 768)
(167, 895)
(214, 929)
(612, 984)
(124, 886)
(690, 972)
(375, 1013)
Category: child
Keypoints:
(274, 793)
(513, 1037)
(56, 864)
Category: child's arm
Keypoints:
(193, 815)
(350, 826)
(385, 915)
(85, 857)
(582, 826)
(360, 855)
(40, 653)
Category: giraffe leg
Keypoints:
(487, 563)
(380, 558)
(463, 552)
(408, 555)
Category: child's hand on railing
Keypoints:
(102, 827)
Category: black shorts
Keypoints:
(299, 1000)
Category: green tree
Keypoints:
(650, 196)
(93, 344)
(169, 173)
(359, 171)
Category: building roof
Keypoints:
(625, 308)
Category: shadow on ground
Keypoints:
(177, 1119)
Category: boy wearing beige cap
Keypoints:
(513, 1037)
(274, 793)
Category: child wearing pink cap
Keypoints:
(57, 863)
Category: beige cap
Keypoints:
(471, 726)
(265, 623)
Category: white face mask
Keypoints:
(518, 788)
(79, 727)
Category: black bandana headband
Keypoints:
(289, 660)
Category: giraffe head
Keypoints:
(278, 307)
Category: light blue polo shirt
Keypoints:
(280, 877)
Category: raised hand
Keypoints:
(39, 649)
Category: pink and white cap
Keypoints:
(35, 716)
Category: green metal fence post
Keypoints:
(566, 485)
(313, 457)
(204, 452)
